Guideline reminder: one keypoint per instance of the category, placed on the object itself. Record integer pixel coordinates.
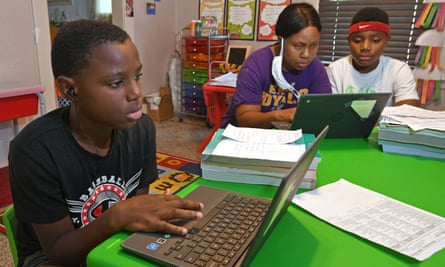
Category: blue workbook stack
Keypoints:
(254, 170)
(401, 139)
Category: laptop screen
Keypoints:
(283, 197)
(348, 115)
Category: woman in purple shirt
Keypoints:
(273, 77)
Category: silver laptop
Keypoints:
(348, 115)
(234, 227)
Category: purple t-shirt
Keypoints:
(256, 85)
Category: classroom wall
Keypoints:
(154, 35)
(157, 36)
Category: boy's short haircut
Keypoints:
(74, 42)
(370, 14)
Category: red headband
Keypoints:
(369, 26)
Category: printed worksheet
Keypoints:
(262, 136)
(376, 217)
(414, 117)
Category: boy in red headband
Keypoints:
(367, 70)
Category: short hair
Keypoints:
(295, 17)
(370, 14)
(75, 41)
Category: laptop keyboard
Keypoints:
(229, 230)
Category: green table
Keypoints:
(301, 239)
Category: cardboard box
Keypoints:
(160, 105)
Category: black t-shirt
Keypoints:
(52, 176)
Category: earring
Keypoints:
(71, 92)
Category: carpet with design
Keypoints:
(174, 173)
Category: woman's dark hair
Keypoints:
(370, 14)
(75, 42)
(296, 17)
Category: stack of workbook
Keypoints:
(412, 131)
(256, 156)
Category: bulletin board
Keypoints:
(213, 8)
(241, 19)
(268, 13)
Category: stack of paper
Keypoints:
(228, 79)
(412, 131)
(256, 156)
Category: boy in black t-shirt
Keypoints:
(80, 173)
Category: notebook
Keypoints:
(232, 238)
(348, 115)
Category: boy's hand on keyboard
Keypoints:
(154, 213)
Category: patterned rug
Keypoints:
(174, 173)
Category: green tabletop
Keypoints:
(300, 239)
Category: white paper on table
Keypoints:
(283, 152)
(376, 217)
(262, 136)
(414, 117)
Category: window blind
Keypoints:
(336, 16)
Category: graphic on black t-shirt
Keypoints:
(103, 193)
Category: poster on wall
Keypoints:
(213, 9)
(151, 8)
(268, 13)
(241, 19)
(129, 8)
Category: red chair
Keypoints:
(216, 99)
(21, 102)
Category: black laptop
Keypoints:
(348, 115)
(234, 227)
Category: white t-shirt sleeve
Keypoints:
(336, 72)
(404, 82)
